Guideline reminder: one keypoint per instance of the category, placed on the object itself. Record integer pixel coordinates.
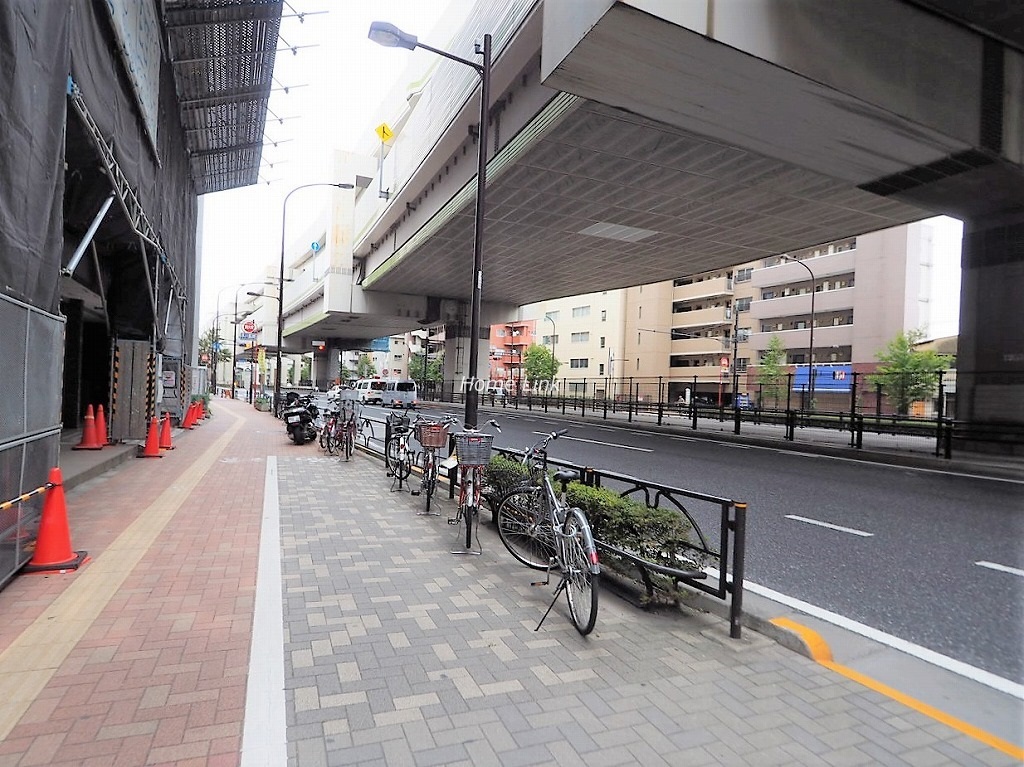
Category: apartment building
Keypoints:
(585, 334)
(703, 334)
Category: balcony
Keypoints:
(789, 272)
(799, 305)
(699, 346)
(716, 315)
(709, 288)
(825, 336)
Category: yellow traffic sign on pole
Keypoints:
(384, 131)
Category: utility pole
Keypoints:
(735, 351)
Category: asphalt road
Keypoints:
(929, 557)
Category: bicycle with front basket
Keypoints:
(432, 434)
(473, 453)
(542, 531)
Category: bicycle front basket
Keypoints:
(432, 434)
(473, 449)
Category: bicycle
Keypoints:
(398, 457)
(329, 434)
(432, 435)
(348, 417)
(543, 532)
(473, 452)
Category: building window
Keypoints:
(579, 362)
(580, 311)
(580, 338)
(604, 315)
(600, 369)
(741, 364)
(547, 340)
(767, 295)
(743, 275)
(742, 335)
(743, 304)
(602, 342)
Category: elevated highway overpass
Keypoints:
(644, 140)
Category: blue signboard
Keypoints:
(826, 378)
(380, 344)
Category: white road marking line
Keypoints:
(973, 673)
(1001, 568)
(840, 528)
(606, 444)
(264, 731)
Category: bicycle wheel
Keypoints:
(324, 432)
(525, 529)
(348, 439)
(472, 505)
(429, 481)
(391, 454)
(403, 465)
(580, 571)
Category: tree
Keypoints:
(539, 364)
(206, 342)
(771, 370)
(434, 371)
(365, 367)
(344, 374)
(907, 374)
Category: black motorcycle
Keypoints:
(300, 416)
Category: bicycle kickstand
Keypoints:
(558, 593)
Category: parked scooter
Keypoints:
(300, 416)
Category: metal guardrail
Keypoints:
(729, 553)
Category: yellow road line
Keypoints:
(821, 653)
(32, 659)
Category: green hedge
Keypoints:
(655, 535)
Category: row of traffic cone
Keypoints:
(155, 444)
(94, 430)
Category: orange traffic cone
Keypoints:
(89, 439)
(200, 410)
(152, 449)
(53, 544)
(165, 433)
(101, 426)
(189, 420)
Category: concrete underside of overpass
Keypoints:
(678, 137)
(661, 151)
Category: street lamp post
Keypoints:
(391, 36)
(280, 286)
(554, 336)
(810, 352)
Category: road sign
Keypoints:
(243, 336)
(249, 326)
(216, 346)
(384, 131)
(724, 362)
(314, 246)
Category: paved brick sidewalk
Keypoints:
(395, 651)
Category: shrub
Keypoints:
(502, 475)
(655, 535)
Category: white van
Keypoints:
(401, 393)
(369, 390)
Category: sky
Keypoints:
(334, 101)
(338, 90)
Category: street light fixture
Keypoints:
(810, 353)
(280, 286)
(391, 36)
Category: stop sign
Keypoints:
(249, 326)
